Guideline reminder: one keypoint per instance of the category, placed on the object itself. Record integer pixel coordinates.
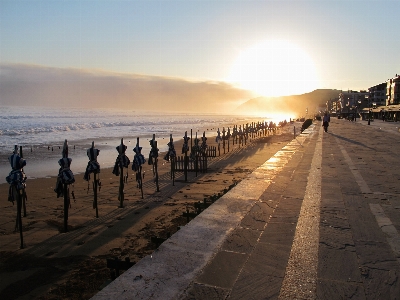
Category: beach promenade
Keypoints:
(318, 220)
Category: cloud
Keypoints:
(34, 85)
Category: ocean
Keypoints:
(42, 131)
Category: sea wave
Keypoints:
(32, 129)
(43, 127)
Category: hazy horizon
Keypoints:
(61, 87)
(193, 55)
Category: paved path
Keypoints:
(319, 220)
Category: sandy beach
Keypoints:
(56, 265)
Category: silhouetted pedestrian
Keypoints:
(325, 121)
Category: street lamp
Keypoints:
(355, 110)
(369, 109)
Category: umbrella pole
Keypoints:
(155, 163)
(121, 188)
(95, 194)
(173, 170)
(139, 171)
(141, 181)
(156, 170)
(191, 140)
(196, 162)
(185, 165)
(17, 195)
(24, 197)
(66, 207)
(223, 138)
(24, 201)
(205, 162)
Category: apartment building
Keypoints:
(353, 100)
(377, 95)
(393, 91)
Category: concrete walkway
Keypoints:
(319, 220)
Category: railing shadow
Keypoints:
(351, 141)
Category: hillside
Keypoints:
(295, 104)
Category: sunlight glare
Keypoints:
(274, 68)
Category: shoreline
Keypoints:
(42, 161)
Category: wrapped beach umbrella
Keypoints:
(138, 161)
(93, 166)
(240, 134)
(153, 160)
(171, 153)
(64, 179)
(122, 160)
(153, 151)
(65, 175)
(234, 134)
(223, 138)
(204, 144)
(228, 136)
(195, 149)
(170, 156)
(185, 149)
(271, 125)
(218, 139)
(16, 178)
(185, 146)
(203, 152)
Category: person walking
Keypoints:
(325, 121)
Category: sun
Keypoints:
(274, 68)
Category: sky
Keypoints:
(266, 47)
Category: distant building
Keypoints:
(332, 105)
(377, 95)
(393, 91)
(352, 101)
